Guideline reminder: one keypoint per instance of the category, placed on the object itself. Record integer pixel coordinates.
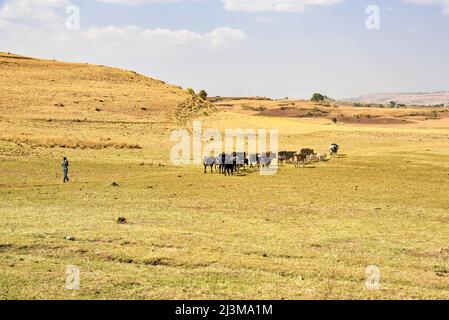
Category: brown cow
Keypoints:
(286, 157)
(300, 158)
(307, 151)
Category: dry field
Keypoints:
(342, 111)
(305, 233)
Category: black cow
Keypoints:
(240, 161)
(228, 163)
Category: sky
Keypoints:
(273, 48)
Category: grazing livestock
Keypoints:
(230, 164)
(307, 151)
(222, 162)
(303, 156)
(334, 149)
(300, 159)
(218, 164)
(266, 159)
(286, 156)
(240, 161)
(261, 159)
(227, 163)
(229, 169)
(316, 157)
(311, 157)
(209, 162)
(254, 160)
(321, 157)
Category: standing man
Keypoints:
(65, 169)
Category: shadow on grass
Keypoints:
(341, 156)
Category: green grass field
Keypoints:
(305, 233)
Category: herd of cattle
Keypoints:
(228, 164)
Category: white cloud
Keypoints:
(141, 2)
(41, 18)
(220, 37)
(243, 5)
(160, 38)
(32, 11)
(275, 5)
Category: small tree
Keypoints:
(203, 94)
(317, 97)
(190, 91)
(392, 104)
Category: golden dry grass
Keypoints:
(43, 89)
(305, 233)
(51, 142)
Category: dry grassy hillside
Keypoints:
(43, 89)
(51, 103)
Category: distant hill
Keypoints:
(418, 98)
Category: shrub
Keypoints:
(203, 94)
(190, 91)
(317, 97)
(334, 120)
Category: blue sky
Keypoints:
(238, 47)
